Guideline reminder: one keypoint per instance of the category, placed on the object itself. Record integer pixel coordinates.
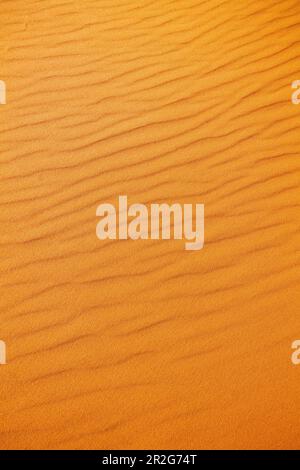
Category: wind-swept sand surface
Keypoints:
(141, 344)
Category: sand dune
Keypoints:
(141, 344)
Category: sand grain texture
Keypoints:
(141, 344)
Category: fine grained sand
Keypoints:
(140, 344)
